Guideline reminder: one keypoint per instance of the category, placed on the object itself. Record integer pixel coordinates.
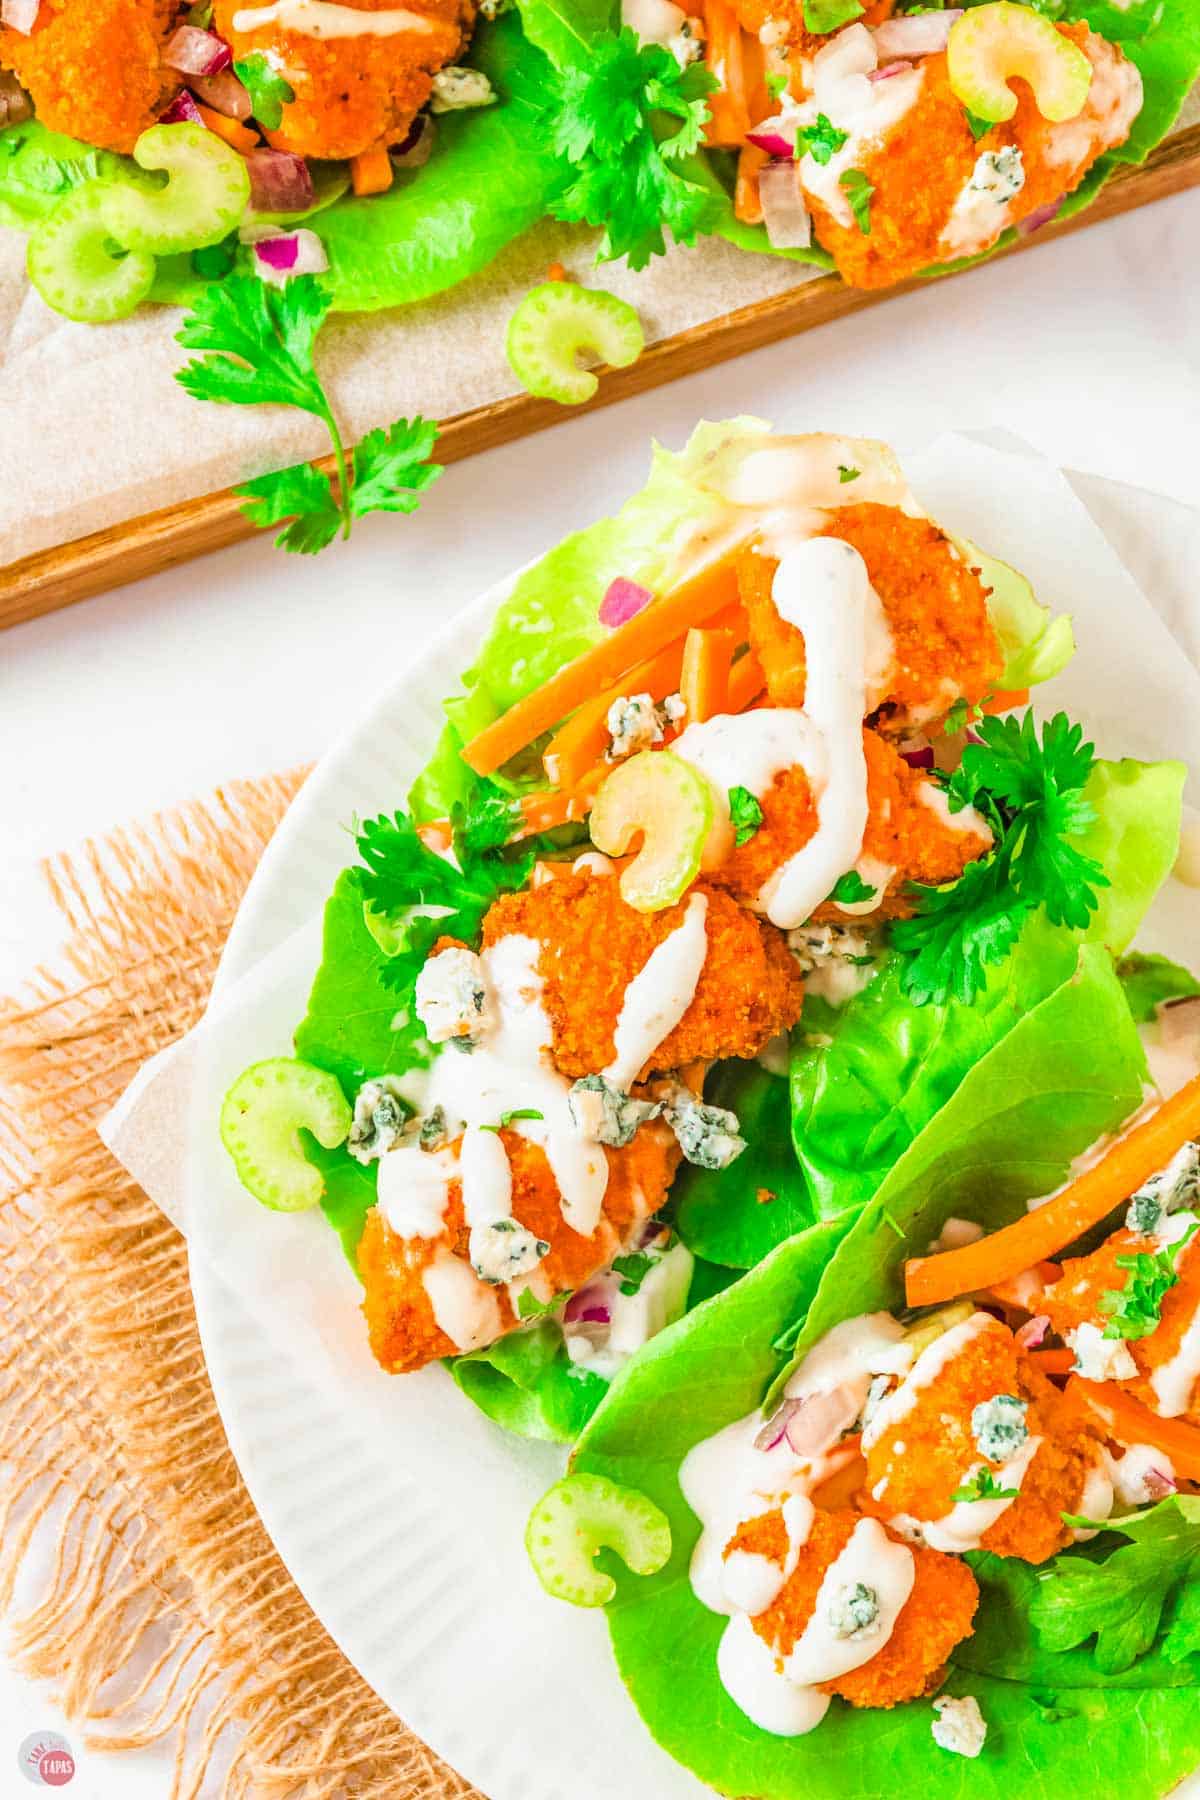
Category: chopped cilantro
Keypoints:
(979, 127)
(982, 1486)
(530, 1307)
(606, 124)
(745, 813)
(851, 890)
(1134, 1311)
(1031, 792)
(846, 473)
(633, 1270)
(269, 92)
(1144, 1593)
(776, 85)
(960, 715)
(821, 141)
(830, 15)
(858, 191)
(518, 1112)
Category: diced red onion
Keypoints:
(821, 1420)
(290, 253)
(1041, 215)
(182, 110)
(20, 14)
(623, 600)
(414, 151)
(196, 52)
(773, 142)
(785, 213)
(1033, 1332)
(921, 758)
(591, 1305)
(15, 104)
(919, 34)
(1159, 1484)
(972, 737)
(775, 1429)
(888, 70)
(279, 181)
(224, 93)
(595, 1315)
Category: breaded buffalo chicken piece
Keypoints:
(944, 645)
(351, 92)
(593, 944)
(94, 68)
(903, 1665)
(399, 1309)
(973, 1411)
(780, 23)
(910, 832)
(936, 192)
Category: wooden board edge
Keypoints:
(52, 579)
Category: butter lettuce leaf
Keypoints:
(1037, 643)
(1150, 980)
(1135, 835)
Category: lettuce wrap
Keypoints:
(1058, 1706)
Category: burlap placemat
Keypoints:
(161, 1608)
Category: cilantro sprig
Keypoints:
(1135, 1310)
(257, 345)
(623, 120)
(269, 92)
(821, 140)
(982, 1486)
(745, 813)
(633, 1270)
(859, 191)
(851, 890)
(1031, 792)
(1146, 1593)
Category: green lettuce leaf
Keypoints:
(352, 1026)
(1135, 835)
(38, 166)
(1149, 980)
(1037, 644)
(566, 29)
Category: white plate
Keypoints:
(401, 1513)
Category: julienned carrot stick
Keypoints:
(746, 682)
(747, 201)
(649, 631)
(1004, 699)
(729, 112)
(575, 746)
(1130, 1160)
(1134, 1423)
(1052, 1362)
(704, 673)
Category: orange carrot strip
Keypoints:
(1131, 1422)
(576, 745)
(371, 171)
(1004, 699)
(1052, 1362)
(704, 673)
(729, 111)
(235, 133)
(747, 202)
(746, 682)
(648, 632)
(561, 806)
(1120, 1171)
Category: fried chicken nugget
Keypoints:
(907, 830)
(922, 1457)
(94, 68)
(594, 943)
(357, 90)
(401, 1323)
(784, 22)
(944, 644)
(937, 1615)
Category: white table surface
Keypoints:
(249, 661)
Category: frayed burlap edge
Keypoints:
(162, 1610)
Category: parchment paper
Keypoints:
(94, 431)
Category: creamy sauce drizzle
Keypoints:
(967, 819)
(326, 19)
(929, 1365)
(964, 1525)
(1173, 1381)
(659, 994)
(867, 111)
(872, 1558)
(466, 1310)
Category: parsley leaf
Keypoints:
(633, 1270)
(960, 715)
(1031, 792)
(1143, 1589)
(530, 1307)
(821, 141)
(269, 92)
(846, 473)
(258, 343)
(518, 1112)
(982, 1486)
(608, 123)
(1134, 1311)
(850, 889)
(745, 813)
(858, 191)
(828, 15)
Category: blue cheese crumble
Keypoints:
(501, 1250)
(998, 1427)
(1175, 1185)
(854, 1611)
(380, 1115)
(606, 1114)
(1000, 174)
(707, 1135)
(959, 1726)
(452, 999)
(456, 88)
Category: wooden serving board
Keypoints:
(55, 578)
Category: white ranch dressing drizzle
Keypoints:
(659, 994)
(925, 1371)
(1096, 1496)
(1174, 1380)
(983, 208)
(751, 749)
(466, 1310)
(749, 1673)
(963, 1526)
(821, 587)
(850, 1354)
(874, 1559)
(873, 872)
(326, 19)
(754, 1582)
(414, 1190)
(866, 110)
